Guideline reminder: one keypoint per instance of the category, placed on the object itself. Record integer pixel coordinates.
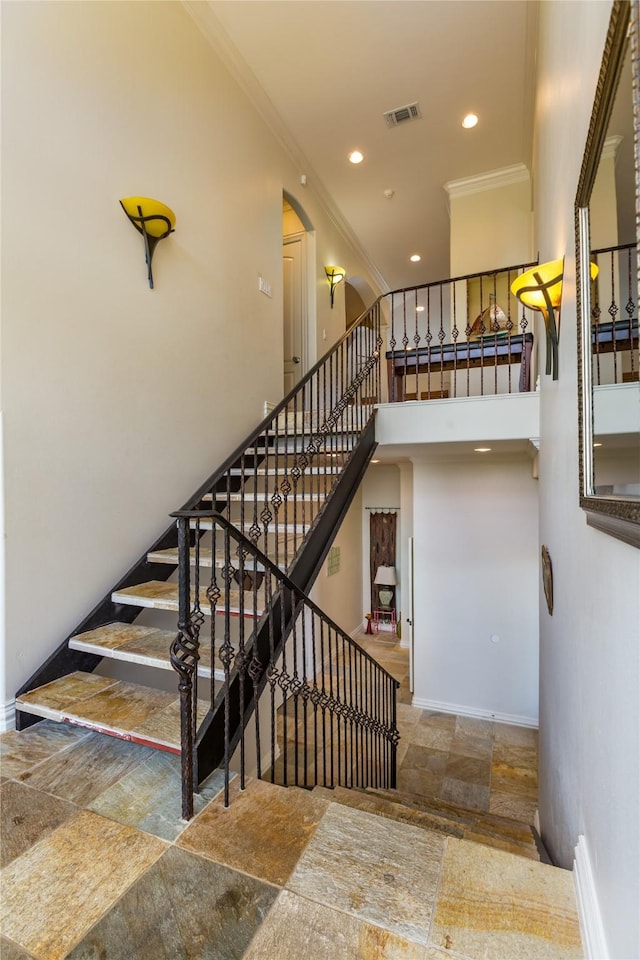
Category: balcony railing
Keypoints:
(614, 315)
(459, 338)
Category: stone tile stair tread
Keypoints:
(250, 496)
(394, 810)
(206, 523)
(299, 445)
(170, 555)
(137, 644)
(124, 710)
(284, 545)
(316, 469)
(515, 829)
(160, 595)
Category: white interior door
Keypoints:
(409, 620)
(294, 321)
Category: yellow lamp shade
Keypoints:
(530, 287)
(163, 219)
(335, 274)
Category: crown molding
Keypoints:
(518, 173)
(610, 147)
(222, 45)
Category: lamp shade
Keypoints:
(335, 274)
(159, 219)
(530, 287)
(386, 576)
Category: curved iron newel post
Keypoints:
(184, 660)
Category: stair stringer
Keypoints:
(65, 660)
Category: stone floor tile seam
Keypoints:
(108, 907)
(123, 893)
(371, 921)
(18, 946)
(48, 793)
(212, 859)
(32, 768)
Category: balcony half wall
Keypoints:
(502, 418)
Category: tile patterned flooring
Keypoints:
(478, 764)
(97, 864)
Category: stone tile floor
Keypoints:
(475, 763)
(98, 865)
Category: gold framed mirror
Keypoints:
(607, 232)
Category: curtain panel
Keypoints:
(382, 551)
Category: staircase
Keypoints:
(236, 567)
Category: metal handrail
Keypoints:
(282, 652)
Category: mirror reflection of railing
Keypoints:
(607, 194)
(614, 315)
(462, 337)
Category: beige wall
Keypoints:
(339, 594)
(119, 400)
(491, 228)
(476, 577)
(590, 669)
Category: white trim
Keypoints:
(8, 717)
(465, 711)
(610, 147)
(591, 926)
(492, 180)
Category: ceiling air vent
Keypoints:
(402, 114)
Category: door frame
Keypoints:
(304, 299)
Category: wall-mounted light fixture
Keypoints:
(334, 275)
(153, 219)
(541, 289)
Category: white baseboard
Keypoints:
(8, 717)
(591, 926)
(465, 711)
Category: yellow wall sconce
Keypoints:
(335, 275)
(153, 219)
(541, 289)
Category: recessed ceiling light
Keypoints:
(419, 309)
(356, 157)
(415, 257)
(482, 449)
(469, 121)
(375, 461)
(597, 444)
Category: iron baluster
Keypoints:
(184, 652)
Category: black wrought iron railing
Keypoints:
(273, 485)
(278, 501)
(276, 494)
(314, 706)
(614, 315)
(459, 337)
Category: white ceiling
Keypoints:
(332, 68)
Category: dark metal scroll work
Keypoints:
(328, 702)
